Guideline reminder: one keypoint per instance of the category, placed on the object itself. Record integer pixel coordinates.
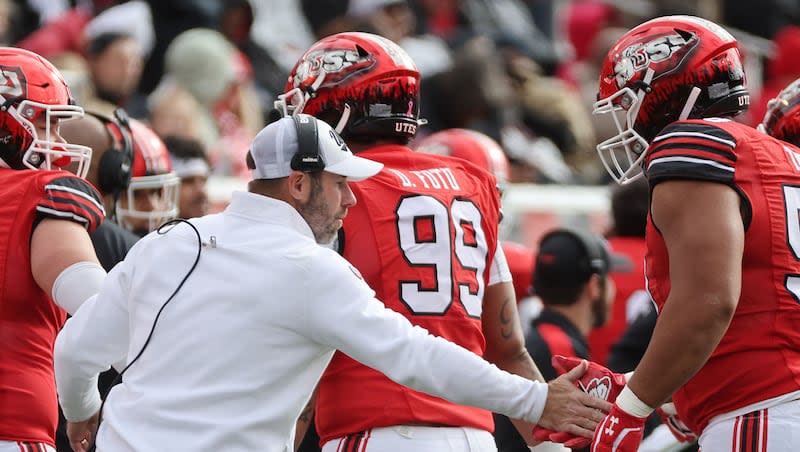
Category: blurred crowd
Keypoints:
(521, 71)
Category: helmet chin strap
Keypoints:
(690, 101)
(343, 120)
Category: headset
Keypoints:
(308, 158)
(115, 167)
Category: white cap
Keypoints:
(276, 144)
(132, 18)
(362, 8)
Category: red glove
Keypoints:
(569, 440)
(598, 381)
(679, 430)
(619, 432)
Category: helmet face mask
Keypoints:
(34, 100)
(362, 85)
(668, 69)
(162, 193)
(782, 118)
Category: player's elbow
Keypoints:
(507, 352)
(719, 309)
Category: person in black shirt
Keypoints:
(571, 278)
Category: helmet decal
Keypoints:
(12, 82)
(668, 52)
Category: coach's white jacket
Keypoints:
(235, 355)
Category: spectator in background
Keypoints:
(782, 68)
(115, 64)
(219, 78)
(571, 277)
(115, 43)
(236, 23)
(64, 33)
(190, 164)
(395, 20)
(172, 111)
(630, 204)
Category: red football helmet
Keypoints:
(33, 92)
(152, 196)
(782, 119)
(470, 145)
(363, 85)
(667, 69)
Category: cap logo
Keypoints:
(547, 258)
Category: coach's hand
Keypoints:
(82, 434)
(570, 410)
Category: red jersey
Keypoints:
(630, 286)
(759, 355)
(423, 235)
(29, 320)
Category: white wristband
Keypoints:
(628, 402)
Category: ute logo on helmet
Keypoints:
(12, 82)
(338, 64)
(674, 48)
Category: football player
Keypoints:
(152, 195)
(424, 236)
(50, 266)
(723, 241)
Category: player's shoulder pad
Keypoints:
(712, 130)
(69, 197)
(694, 150)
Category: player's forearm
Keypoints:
(304, 420)
(519, 363)
(682, 342)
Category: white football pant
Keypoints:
(404, 438)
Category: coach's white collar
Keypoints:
(264, 209)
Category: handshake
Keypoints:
(622, 428)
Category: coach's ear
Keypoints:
(300, 186)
